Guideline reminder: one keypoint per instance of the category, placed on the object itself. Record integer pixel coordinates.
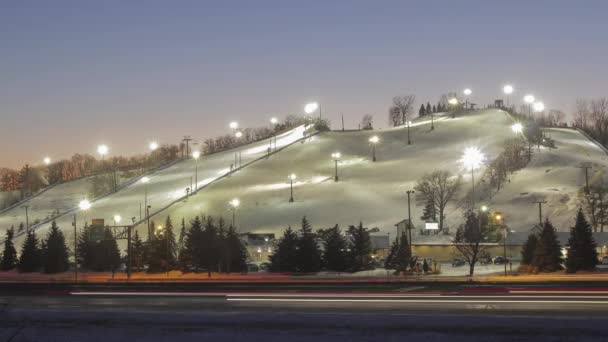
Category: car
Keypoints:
(485, 260)
(604, 260)
(458, 262)
(499, 260)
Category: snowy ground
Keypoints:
(370, 192)
(166, 186)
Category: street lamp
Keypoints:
(237, 154)
(145, 180)
(234, 204)
(153, 146)
(273, 121)
(538, 106)
(102, 150)
(472, 158)
(517, 128)
(409, 141)
(196, 155)
(292, 177)
(234, 125)
(312, 107)
(117, 219)
(467, 92)
(83, 205)
(336, 157)
(453, 102)
(529, 99)
(47, 161)
(508, 90)
(374, 140)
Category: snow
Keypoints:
(372, 192)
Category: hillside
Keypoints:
(372, 192)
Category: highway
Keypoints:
(418, 312)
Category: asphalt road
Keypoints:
(478, 313)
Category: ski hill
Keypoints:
(367, 191)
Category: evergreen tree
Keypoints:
(189, 258)
(422, 110)
(29, 260)
(98, 255)
(110, 255)
(308, 252)
(182, 236)
(335, 254)
(429, 214)
(138, 253)
(361, 248)
(399, 256)
(434, 110)
(9, 255)
(161, 257)
(527, 251)
(548, 254)
(284, 259)
(429, 110)
(210, 252)
(236, 260)
(582, 252)
(55, 251)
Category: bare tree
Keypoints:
(472, 236)
(581, 114)
(394, 116)
(595, 205)
(406, 106)
(367, 122)
(439, 187)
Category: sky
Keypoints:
(74, 74)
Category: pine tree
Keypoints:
(138, 253)
(429, 214)
(434, 109)
(30, 254)
(422, 110)
(9, 255)
(335, 254)
(399, 256)
(527, 251)
(548, 254)
(429, 110)
(236, 252)
(182, 236)
(361, 248)
(189, 258)
(210, 252)
(309, 254)
(110, 255)
(55, 251)
(284, 259)
(582, 252)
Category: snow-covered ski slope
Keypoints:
(165, 186)
(375, 193)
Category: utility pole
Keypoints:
(187, 139)
(540, 211)
(409, 220)
(148, 222)
(342, 122)
(27, 218)
(409, 142)
(586, 168)
(75, 251)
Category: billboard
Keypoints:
(431, 225)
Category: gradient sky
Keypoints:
(77, 73)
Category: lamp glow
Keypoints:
(145, 180)
(311, 107)
(292, 176)
(196, 154)
(234, 125)
(507, 89)
(117, 218)
(274, 121)
(538, 106)
(46, 160)
(84, 205)
(529, 99)
(472, 158)
(336, 155)
(238, 134)
(453, 101)
(374, 139)
(153, 146)
(103, 150)
(235, 202)
(468, 92)
(517, 128)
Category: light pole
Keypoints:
(374, 140)
(162, 232)
(27, 218)
(409, 220)
(432, 121)
(312, 107)
(102, 150)
(196, 155)
(145, 180)
(508, 90)
(453, 102)
(529, 99)
(467, 92)
(472, 158)
(292, 177)
(234, 204)
(273, 122)
(336, 157)
(83, 206)
(409, 141)
(237, 154)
